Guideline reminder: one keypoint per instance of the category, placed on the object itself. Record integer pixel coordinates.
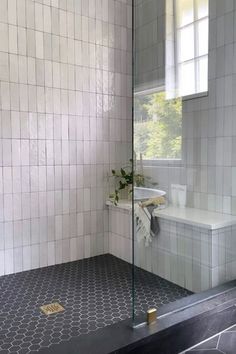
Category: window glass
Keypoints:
(202, 37)
(202, 70)
(187, 78)
(186, 44)
(192, 46)
(185, 14)
(202, 8)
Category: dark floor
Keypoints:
(95, 292)
(223, 343)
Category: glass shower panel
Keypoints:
(184, 203)
(184, 222)
(157, 143)
(173, 257)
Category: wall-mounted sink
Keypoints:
(141, 193)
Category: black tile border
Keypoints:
(199, 297)
(181, 325)
(221, 343)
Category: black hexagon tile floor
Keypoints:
(95, 292)
(223, 343)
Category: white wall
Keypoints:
(65, 120)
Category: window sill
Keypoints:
(195, 95)
(162, 162)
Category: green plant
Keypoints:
(125, 178)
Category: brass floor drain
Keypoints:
(50, 309)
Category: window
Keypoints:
(158, 126)
(191, 19)
(158, 108)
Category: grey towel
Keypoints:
(154, 223)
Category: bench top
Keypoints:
(194, 217)
(197, 217)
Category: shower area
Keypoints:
(183, 205)
(117, 163)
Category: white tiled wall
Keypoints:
(120, 233)
(65, 121)
(209, 125)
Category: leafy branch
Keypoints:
(125, 178)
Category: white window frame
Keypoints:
(196, 57)
(181, 161)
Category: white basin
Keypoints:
(141, 193)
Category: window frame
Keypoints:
(196, 57)
(181, 161)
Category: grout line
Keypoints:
(218, 342)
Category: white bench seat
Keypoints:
(197, 217)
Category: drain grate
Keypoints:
(50, 309)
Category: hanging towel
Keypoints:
(147, 225)
(154, 224)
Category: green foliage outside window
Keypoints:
(158, 126)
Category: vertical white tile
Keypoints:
(39, 45)
(13, 39)
(43, 255)
(35, 256)
(65, 250)
(51, 253)
(8, 235)
(15, 125)
(26, 232)
(21, 13)
(18, 259)
(2, 262)
(4, 44)
(26, 257)
(8, 207)
(47, 19)
(87, 246)
(5, 95)
(12, 18)
(9, 261)
(233, 181)
(4, 67)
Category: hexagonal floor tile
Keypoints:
(95, 292)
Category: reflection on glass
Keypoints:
(185, 13)
(158, 126)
